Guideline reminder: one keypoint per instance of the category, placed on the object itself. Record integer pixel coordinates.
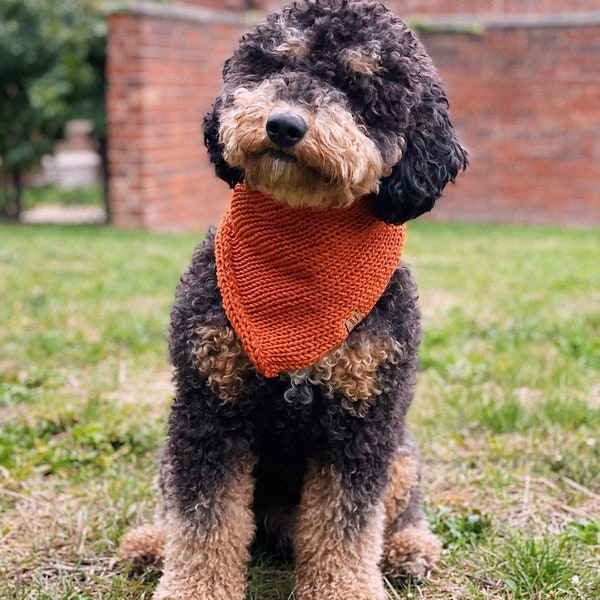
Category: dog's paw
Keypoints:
(341, 591)
(411, 552)
(144, 545)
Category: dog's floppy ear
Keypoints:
(432, 157)
(215, 149)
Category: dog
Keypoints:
(294, 332)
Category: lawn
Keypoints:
(507, 409)
(52, 194)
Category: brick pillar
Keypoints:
(164, 72)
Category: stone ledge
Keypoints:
(56, 214)
(468, 24)
(194, 14)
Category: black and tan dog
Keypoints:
(329, 105)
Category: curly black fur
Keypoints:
(229, 174)
(401, 106)
(432, 158)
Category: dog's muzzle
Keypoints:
(286, 129)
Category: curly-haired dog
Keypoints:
(294, 335)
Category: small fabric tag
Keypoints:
(352, 321)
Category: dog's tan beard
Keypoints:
(334, 163)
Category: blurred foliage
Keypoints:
(52, 70)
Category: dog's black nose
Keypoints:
(286, 129)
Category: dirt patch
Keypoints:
(56, 214)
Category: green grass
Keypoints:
(507, 409)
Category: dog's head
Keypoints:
(331, 100)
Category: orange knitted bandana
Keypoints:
(296, 281)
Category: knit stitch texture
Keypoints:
(296, 281)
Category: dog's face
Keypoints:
(331, 100)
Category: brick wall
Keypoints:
(525, 97)
(164, 70)
(232, 5)
(527, 104)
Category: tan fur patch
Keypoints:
(411, 551)
(352, 369)
(364, 61)
(403, 479)
(295, 46)
(328, 563)
(211, 563)
(333, 164)
(144, 544)
(222, 360)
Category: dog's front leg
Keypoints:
(337, 546)
(207, 539)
